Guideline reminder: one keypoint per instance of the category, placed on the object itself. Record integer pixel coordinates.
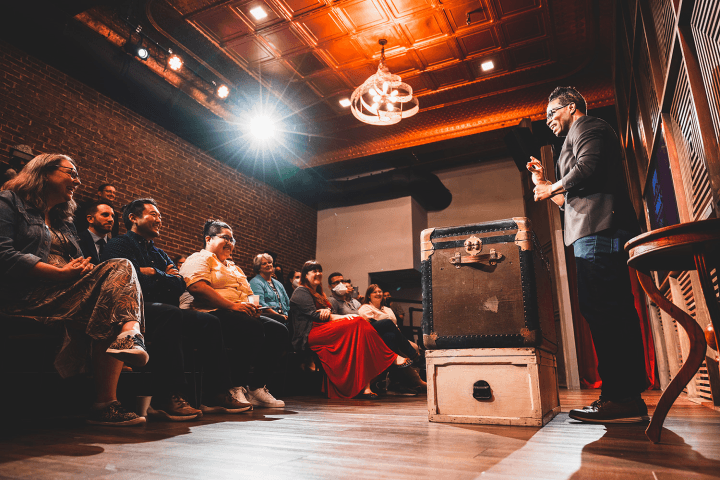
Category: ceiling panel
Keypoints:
(363, 14)
(222, 23)
(296, 7)
(343, 51)
(284, 39)
(523, 28)
(437, 54)
(402, 63)
(423, 28)
(322, 25)
(327, 85)
(457, 15)
(478, 42)
(250, 50)
(306, 63)
(508, 7)
(451, 75)
(531, 54)
(369, 40)
(400, 8)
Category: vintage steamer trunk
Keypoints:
(488, 325)
(486, 285)
(499, 386)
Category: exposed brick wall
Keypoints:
(53, 113)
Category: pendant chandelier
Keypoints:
(383, 99)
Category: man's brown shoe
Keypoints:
(175, 409)
(606, 411)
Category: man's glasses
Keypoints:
(551, 113)
(227, 238)
(72, 172)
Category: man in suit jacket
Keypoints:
(100, 218)
(599, 219)
(105, 194)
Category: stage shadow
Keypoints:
(628, 443)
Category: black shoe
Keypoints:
(607, 411)
(367, 396)
(114, 415)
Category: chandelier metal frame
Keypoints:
(383, 99)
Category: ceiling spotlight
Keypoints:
(258, 13)
(142, 53)
(345, 102)
(223, 91)
(175, 63)
(489, 65)
(262, 127)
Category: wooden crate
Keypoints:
(523, 386)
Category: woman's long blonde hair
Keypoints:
(31, 182)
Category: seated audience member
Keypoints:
(100, 220)
(395, 307)
(271, 292)
(168, 327)
(341, 299)
(216, 285)
(278, 270)
(179, 260)
(46, 278)
(293, 281)
(106, 194)
(383, 319)
(351, 351)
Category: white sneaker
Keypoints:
(261, 397)
(238, 393)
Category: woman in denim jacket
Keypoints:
(45, 277)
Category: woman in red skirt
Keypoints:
(351, 351)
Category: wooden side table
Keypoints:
(687, 246)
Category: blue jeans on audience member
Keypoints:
(607, 303)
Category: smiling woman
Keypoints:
(47, 279)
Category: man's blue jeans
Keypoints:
(607, 303)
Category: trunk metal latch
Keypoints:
(474, 246)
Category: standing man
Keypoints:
(99, 216)
(599, 219)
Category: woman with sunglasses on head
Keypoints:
(351, 351)
(47, 279)
(217, 286)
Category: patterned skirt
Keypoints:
(93, 307)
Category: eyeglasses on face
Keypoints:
(71, 171)
(227, 238)
(551, 113)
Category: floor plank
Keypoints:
(317, 438)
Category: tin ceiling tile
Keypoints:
(222, 23)
(306, 63)
(284, 39)
(478, 42)
(422, 29)
(508, 7)
(457, 14)
(403, 7)
(343, 51)
(322, 25)
(451, 75)
(437, 54)
(531, 54)
(250, 50)
(272, 17)
(363, 14)
(523, 28)
(328, 84)
(297, 7)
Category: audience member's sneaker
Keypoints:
(114, 415)
(175, 409)
(261, 397)
(225, 403)
(129, 347)
(607, 411)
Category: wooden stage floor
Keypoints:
(387, 439)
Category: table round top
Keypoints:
(672, 248)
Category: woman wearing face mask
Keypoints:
(292, 282)
(351, 351)
(271, 292)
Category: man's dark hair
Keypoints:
(92, 208)
(334, 274)
(212, 228)
(102, 186)
(136, 207)
(569, 95)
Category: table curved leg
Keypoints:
(689, 368)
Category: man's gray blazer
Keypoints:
(590, 168)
